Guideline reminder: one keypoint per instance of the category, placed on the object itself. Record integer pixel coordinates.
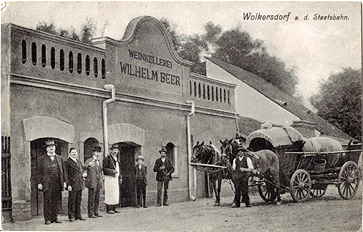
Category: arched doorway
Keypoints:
(89, 144)
(127, 188)
(37, 149)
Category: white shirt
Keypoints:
(51, 156)
(249, 162)
(163, 159)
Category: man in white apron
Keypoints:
(111, 170)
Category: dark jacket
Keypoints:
(143, 172)
(74, 172)
(94, 174)
(165, 174)
(43, 171)
(109, 166)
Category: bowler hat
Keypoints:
(163, 149)
(97, 148)
(140, 157)
(114, 146)
(49, 142)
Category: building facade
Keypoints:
(137, 90)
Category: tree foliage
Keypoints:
(235, 47)
(88, 29)
(339, 101)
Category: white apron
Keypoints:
(112, 194)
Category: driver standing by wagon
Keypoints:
(242, 165)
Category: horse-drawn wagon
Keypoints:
(306, 166)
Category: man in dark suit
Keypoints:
(163, 168)
(111, 170)
(94, 182)
(52, 179)
(141, 181)
(75, 185)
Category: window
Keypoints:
(190, 88)
(172, 154)
(225, 96)
(228, 97)
(199, 90)
(216, 93)
(88, 65)
(220, 95)
(70, 62)
(195, 89)
(23, 51)
(79, 63)
(34, 53)
(52, 57)
(212, 93)
(208, 93)
(44, 56)
(103, 69)
(203, 91)
(61, 59)
(95, 67)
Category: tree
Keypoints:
(88, 29)
(339, 101)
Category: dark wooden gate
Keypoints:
(5, 177)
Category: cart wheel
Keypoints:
(267, 191)
(317, 192)
(300, 185)
(348, 180)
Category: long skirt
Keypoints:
(112, 191)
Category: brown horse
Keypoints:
(209, 154)
(265, 162)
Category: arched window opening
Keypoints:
(228, 97)
(203, 91)
(195, 89)
(44, 56)
(88, 65)
(199, 90)
(61, 59)
(79, 63)
(216, 93)
(52, 57)
(225, 95)
(103, 69)
(70, 62)
(95, 67)
(172, 154)
(34, 53)
(220, 95)
(208, 92)
(23, 51)
(190, 88)
(212, 93)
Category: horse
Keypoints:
(264, 161)
(209, 154)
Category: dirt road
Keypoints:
(329, 213)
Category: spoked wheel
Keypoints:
(317, 192)
(348, 180)
(300, 185)
(267, 191)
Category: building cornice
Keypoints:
(16, 79)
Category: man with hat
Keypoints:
(163, 168)
(242, 165)
(93, 182)
(111, 170)
(141, 181)
(51, 176)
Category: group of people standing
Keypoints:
(55, 175)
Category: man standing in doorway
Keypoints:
(111, 170)
(75, 185)
(94, 182)
(141, 181)
(51, 176)
(163, 168)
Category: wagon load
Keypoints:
(308, 165)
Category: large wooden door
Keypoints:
(37, 149)
(127, 191)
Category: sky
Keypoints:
(314, 48)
